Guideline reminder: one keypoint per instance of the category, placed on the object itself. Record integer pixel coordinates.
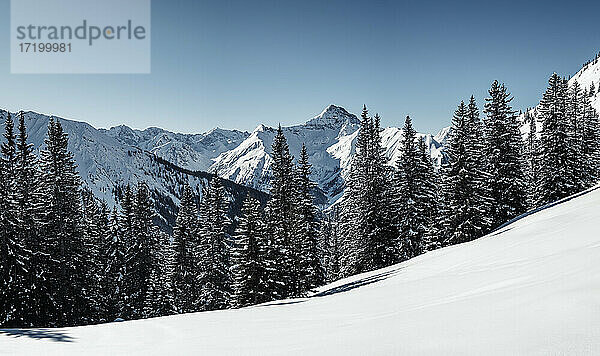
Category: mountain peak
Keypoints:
(333, 115)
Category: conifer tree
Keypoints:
(142, 252)
(186, 254)
(331, 240)
(11, 248)
(427, 198)
(557, 176)
(62, 235)
(215, 279)
(575, 112)
(506, 183)
(248, 270)
(367, 223)
(591, 143)
(281, 255)
(35, 288)
(531, 158)
(116, 251)
(464, 201)
(311, 272)
(159, 299)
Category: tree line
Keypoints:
(68, 259)
(492, 174)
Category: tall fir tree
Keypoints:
(142, 252)
(159, 299)
(503, 149)
(35, 288)
(367, 217)
(427, 199)
(61, 227)
(281, 256)
(591, 143)
(331, 240)
(532, 158)
(415, 195)
(186, 254)
(311, 273)
(558, 179)
(465, 202)
(116, 251)
(215, 278)
(12, 255)
(247, 258)
(575, 112)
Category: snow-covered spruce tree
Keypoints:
(126, 240)
(311, 273)
(247, 264)
(186, 254)
(95, 224)
(575, 113)
(591, 143)
(159, 299)
(428, 197)
(142, 252)
(280, 255)
(415, 193)
(406, 186)
(503, 149)
(35, 288)
(532, 157)
(63, 238)
(116, 251)
(381, 231)
(11, 248)
(557, 176)
(330, 239)
(464, 200)
(366, 213)
(215, 279)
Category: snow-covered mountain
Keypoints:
(589, 73)
(108, 159)
(107, 162)
(191, 151)
(330, 141)
(530, 288)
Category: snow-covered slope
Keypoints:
(589, 74)
(529, 289)
(329, 137)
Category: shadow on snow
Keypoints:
(38, 334)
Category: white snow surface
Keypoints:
(585, 77)
(530, 288)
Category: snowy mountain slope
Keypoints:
(106, 165)
(530, 288)
(589, 74)
(191, 151)
(330, 138)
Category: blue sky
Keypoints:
(235, 64)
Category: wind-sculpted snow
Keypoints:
(530, 288)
